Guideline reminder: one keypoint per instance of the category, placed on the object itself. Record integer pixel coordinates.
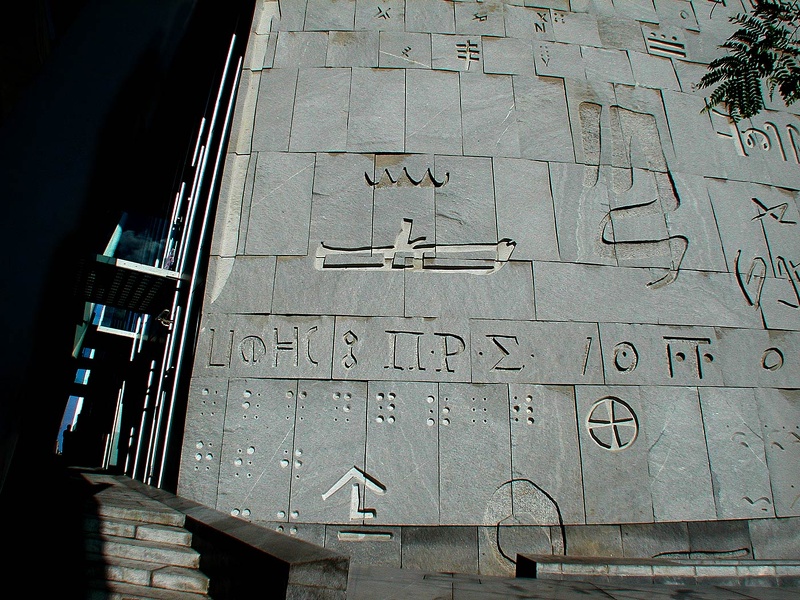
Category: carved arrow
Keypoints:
(359, 478)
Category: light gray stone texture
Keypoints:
(310, 532)
(525, 208)
(474, 453)
(465, 207)
(496, 544)
(280, 209)
(329, 440)
(299, 49)
(571, 292)
(542, 426)
(387, 14)
(377, 111)
(405, 50)
(244, 112)
(616, 483)
(508, 56)
(488, 119)
(321, 109)
(522, 351)
(689, 75)
(779, 412)
(264, 346)
(558, 60)
(352, 49)
(403, 452)
(544, 133)
(606, 65)
(594, 540)
(648, 540)
(730, 538)
(641, 10)
(556, 4)
(229, 209)
(779, 303)
(456, 52)
(432, 549)
(622, 34)
(292, 14)
(274, 110)
(241, 285)
(775, 538)
(716, 19)
(676, 12)
(260, 52)
(376, 547)
(202, 440)
(402, 349)
(324, 15)
(528, 23)
(653, 71)
(480, 18)
(433, 112)
(430, 16)
(661, 355)
(680, 480)
(300, 288)
(256, 473)
(505, 294)
(247, 196)
(759, 358)
(575, 28)
(341, 211)
(734, 437)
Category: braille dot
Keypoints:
(303, 394)
(379, 419)
(198, 456)
(529, 398)
(198, 445)
(289, 394)
(391, 407)
(530, 420)
(529, 410)
(431, 422)
(205, 392)
(298, 463)
(293, 530)
(279, 529)
(281, 514)
(446, 409)
(295, 514)
(235, 512)
(238, 462)
(430, 399)
(246, 512)
(390, 419)
(445, 421)
(336, 395)
(245, 405)
(379, 397)
(392, 396)
(209, 456)
(247, 393)
(347, 396)
(284, 463)
(251, 450)
(708, 358)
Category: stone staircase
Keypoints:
(136, 547)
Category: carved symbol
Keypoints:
(772, 359)
(416, 255)
(359, 478)
(395, 341)
(661, 45)
(478, 16)
(468, 52)
(405, 51)
(586, 355)
(559, 17)
(383, 13)
(784, 269)
(544, 54)
(760, 275)
(448, 351)
(349, 361)
(777, 212)
(405, 179)
(219, 357)
(763, 499)
(626, 358)
(252, 348)
(612, 424)
(541, 25)
(693, 354)
(506, 353)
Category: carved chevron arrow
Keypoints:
(359, 478)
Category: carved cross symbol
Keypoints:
(383, 13)
(612, 424)
(777, 212)
(405, 51)
(468, 52)
(480, 17)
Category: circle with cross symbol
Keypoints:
(612, 424)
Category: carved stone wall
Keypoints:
(484, 276)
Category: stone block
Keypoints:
(405, 50)
(402, 349)
(430, 16)
(387, 15)
(273, 118)
(558, 60)
(352, 49)
(621, 34)
(256, 473)
(508, 56)
(377, 111)
(542, 425)
(541, 105)
(280, 209)
(433, 112)
(328, 462)
(301, 49)
(402, 452)
(653, 71)
(522, 351)
(779, 413)
(775, 539)
(607, 65)
(244, 112)
(198, 479)
(499, 546)
(474, 454)
(721, 539)
(292, 15)
(650, 540)
(319, 122)
(456, 52)
(480, 18)
(370, 545)
(229, 209)
(465, 206)
(441, 549)
(734, 436)
(242, 284)
(324, 15)
(575, 28)
(488, 118)
(594, 541)
(614, 448)
(766, 359)
(528, 23)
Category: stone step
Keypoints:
(166, 534)
(165, 554)
(143, 573)
(113, 590)
(152, 512)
